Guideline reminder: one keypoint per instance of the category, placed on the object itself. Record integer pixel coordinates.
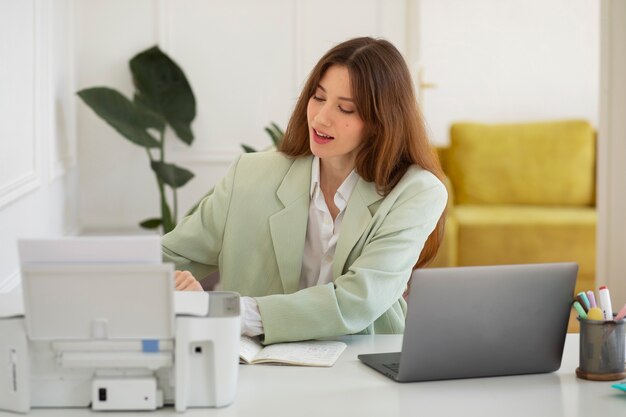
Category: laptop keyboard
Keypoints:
(392, 366)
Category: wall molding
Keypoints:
(67, 157)
(62, 166)
(11, 282)
(14, 190)
(42, 83)
(32, 180)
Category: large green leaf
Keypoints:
(247, 148)
(277, 129)
(275, 133)
(172, 175)
(162, 86)
(129, 119)
(151, 223)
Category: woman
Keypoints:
(321, 237)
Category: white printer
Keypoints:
(102, 327)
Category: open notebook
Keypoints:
(308, 353)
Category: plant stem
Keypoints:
(163, 145)
(166, 223)
(175, 194)
(166, 215)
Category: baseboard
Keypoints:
(9, 283)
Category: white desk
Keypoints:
(352, 389)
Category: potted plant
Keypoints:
(162, 98)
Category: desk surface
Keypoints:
(352, 389)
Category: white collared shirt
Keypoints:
(320, 243)
(322, 232)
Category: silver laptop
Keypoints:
(482, 321)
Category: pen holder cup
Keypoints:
(601, 350)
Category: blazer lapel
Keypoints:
(355, 221)
(288, 226)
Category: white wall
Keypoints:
(38, 173)
(247, 59)
(508, 60)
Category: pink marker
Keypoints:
(621, 314)
(592, 299)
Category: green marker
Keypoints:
(580, 310)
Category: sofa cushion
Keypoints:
(489, 235)
(549, 163)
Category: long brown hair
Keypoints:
(395, 135)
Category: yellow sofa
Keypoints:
(521, 193)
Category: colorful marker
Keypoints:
(580, 310)
(605, 303)
(595, 314)
(582, 298)
(592, 299)
(621, 314)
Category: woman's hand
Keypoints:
(184, 281)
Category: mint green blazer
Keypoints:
(253, 227)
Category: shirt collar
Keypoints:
(343, 192)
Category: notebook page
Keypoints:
(249, 348)
(310, 353)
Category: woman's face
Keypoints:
(335, 127)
